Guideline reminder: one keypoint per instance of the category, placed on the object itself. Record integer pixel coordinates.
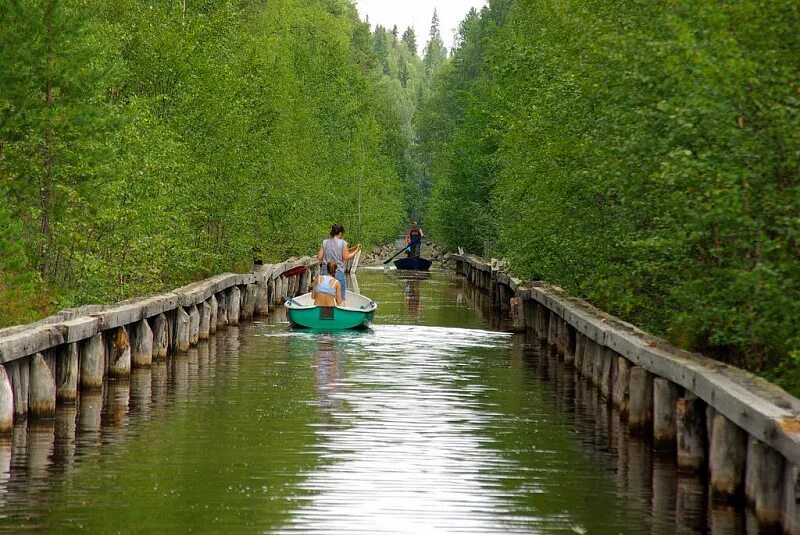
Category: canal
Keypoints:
(434, 421)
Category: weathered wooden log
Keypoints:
(204, 328)
(212, 322)
(690, 425)
(620, 395)
(160, 337)
(234, 305)
(640, 406)
(194, 326)
(570, 343)
(764, 482)
(19, 373)
(587, 370)
(561, 337)
(790, 513)
(665, 398)
(580, 351)
(517, 315)
(542, 320)
(42, 388)
(262, 300)
(119, 353)
(141, 344)
(727, 455)
(529, 313)
(182, 330)
(93, 361)
(222, 310)
(249, 301)
(605, 379)
(67, 373)
(552, 331)
(6, 403)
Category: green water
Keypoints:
(435, 421)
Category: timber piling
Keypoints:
(719, 422)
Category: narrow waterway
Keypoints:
(434, 421)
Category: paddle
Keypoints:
(291, 300)
(415, 240)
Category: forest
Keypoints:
(145, 144)
(644, 156)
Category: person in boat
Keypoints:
(335, 249)
(414, 239)
(327, 292)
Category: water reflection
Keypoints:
(328, 372)
(414, 426)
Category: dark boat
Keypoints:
(413, 263)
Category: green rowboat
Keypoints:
(358, 313)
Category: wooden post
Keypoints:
(6, 403)
(763, 482)
(119, 353)
(665, 398)
(141, 345)
(160, 337)
(552, 330)
(182, 335)
(272, 292)
(640, 411)
(212, 320)
(587, 370)
(234, 305)
(517, 316)
(222, 310)
(194, 326)
(93, 361)
(620, 396)
(204, 328)
(43, 388)
(727, 458)
(249, 301)
(690, 424)
(19, 373)
(561, 336)
(529, 312)
(580, 351)
(570, 344)
(790, 514)
(542, 321)
(262, 300)
(605, 378)
(67, 373)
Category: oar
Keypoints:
(412, 242)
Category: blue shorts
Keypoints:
(340, 276)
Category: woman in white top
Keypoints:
(335, 249)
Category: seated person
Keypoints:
(327, 292)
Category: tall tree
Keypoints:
(435, 51)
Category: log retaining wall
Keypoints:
(45, 364)
(739, 430)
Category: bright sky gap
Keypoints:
(417, 14)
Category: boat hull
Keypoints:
(333, 318)
(413, 264)
(358, 314)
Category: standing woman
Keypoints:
(334, 249)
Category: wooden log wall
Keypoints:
(48, 366)
(737, 429)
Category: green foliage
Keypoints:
(643, 155)
(147, 144)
